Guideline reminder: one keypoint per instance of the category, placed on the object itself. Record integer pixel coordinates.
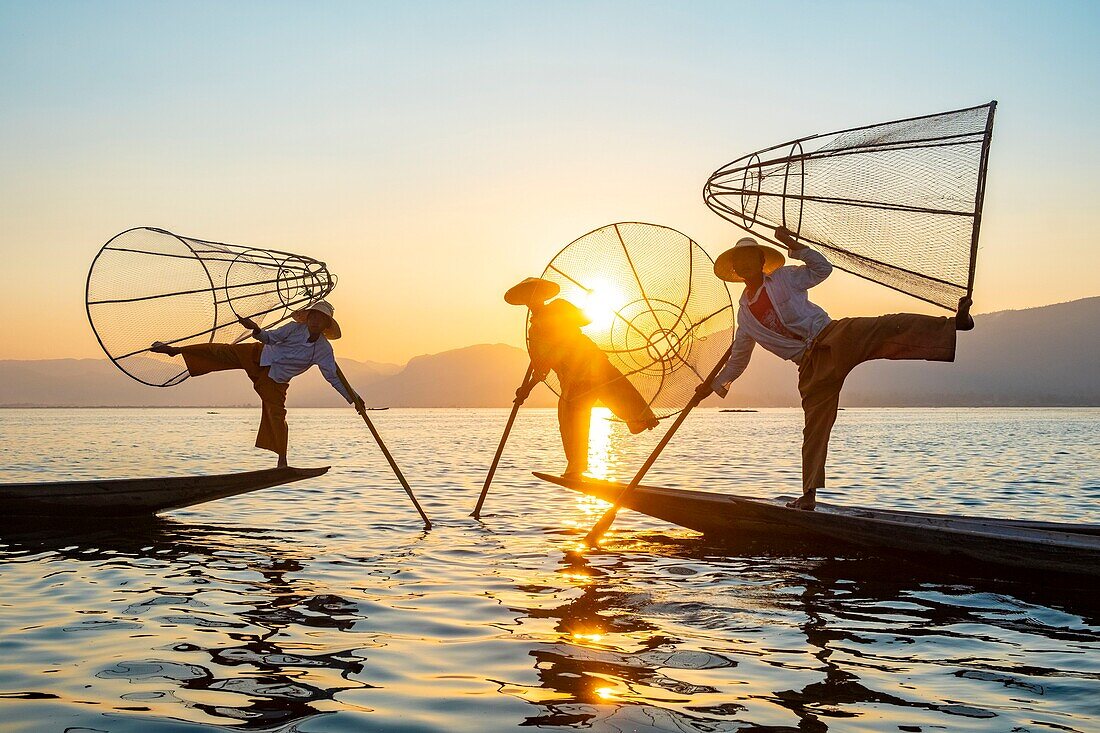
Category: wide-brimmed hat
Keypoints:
(321, 306)
(723, 266)
(531, 290)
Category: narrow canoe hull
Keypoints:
(1040, 546)
(137, 496)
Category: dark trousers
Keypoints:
(841, 347)
(575, 410)
(205, 358)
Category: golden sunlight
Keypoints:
(599, 442)
(602, 303)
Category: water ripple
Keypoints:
(324, 606)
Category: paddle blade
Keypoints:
(592, 539)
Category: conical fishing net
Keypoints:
(899, 203)
(656, 309)
(150, 285)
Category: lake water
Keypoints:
(324, 606)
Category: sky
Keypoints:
(433, 154)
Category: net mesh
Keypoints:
(150, 285)
(898, 203)
(657, 311)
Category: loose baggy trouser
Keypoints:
(205, 358)
(609, 386)
(841, 347)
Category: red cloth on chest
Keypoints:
(764, 312)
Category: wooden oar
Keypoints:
(386, 453)
(600, 527)
(476, 514)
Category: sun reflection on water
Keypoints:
(599, 443)
(605, 693)
(600, 466)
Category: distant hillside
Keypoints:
(476, 376)
(97, 383)
(1035, 357)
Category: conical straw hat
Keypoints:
(531, 290)
(321, 306)
(723, 266)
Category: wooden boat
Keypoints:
(137, 496)
(1039, 546)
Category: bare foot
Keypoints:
(159, 347)
(645, 424)
(282, 462)
(807, 502)
(963, 320)
(573, 475)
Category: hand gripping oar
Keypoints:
(600, 527)
(476, 514)
(386, 453)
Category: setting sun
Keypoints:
(602, 304)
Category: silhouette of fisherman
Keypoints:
(775, 312)
(555, 342)
(281, 354)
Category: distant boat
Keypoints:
(738, 410)
(371, 409)
(1035, 546)
(136, 496)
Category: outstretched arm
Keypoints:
(540, 367)
(735, 367)
(355, 400)
(326, 362)
(535, 374)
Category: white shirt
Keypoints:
(786, 288)
(288, 352)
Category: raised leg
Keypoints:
(847, 343)
(902, 336)
(623, 399)
(205, 358)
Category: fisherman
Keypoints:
(775, 312)
(584, 372)
(281, 354)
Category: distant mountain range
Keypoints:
(1048, 356)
